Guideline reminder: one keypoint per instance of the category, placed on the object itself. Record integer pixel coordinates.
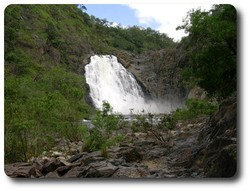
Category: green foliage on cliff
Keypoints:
(44, 94)
(212, 49)
(133, 39)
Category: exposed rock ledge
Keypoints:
(201, 148)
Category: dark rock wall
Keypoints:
(160, 72)
(217, 153)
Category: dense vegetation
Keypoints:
(134, 39)
(212, 49)
(44, 94)
(45, 51)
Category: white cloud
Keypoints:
(167, 16)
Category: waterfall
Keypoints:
(110, 81)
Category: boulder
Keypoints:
(52, 175)
(21, 170)
(51, 165)
(95, 156)
(130, 172)
(131, 154)
(100, 169)
(62, 170)
(156, 152)
(75, 158)
(76, 172)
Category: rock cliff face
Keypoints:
(160, 72)
(217, 150)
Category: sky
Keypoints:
(163, 17)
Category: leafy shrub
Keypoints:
(194, 108)
(140, 123)
(104, 134)
(167, 121)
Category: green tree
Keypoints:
(104, 134)
(212, 47)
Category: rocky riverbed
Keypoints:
(204, 147)
(141, 155)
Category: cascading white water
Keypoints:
(110, 81)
